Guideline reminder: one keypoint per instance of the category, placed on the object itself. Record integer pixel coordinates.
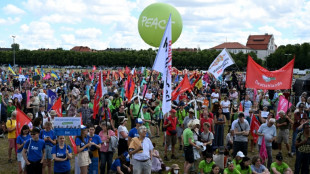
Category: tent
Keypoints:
(302, 85)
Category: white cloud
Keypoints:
(57, 18)
(88, 33)
(9, 21)
(12, 9)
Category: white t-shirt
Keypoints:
(147, 147)
(225, 104)
(121, 129)
(216, 97)
(148, 96)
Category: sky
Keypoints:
(101, 24)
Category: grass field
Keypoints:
(8, 168)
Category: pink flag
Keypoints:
(255, 94)
(28, 96)
(47, 76)
(144, 90)
(263, 151)
(282, 105)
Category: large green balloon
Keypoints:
(153, 20)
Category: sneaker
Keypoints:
(173, 157)
(181, 148)
(169, 147)
(10, 161)
(166, 158)
(2, 136)
(290, 154)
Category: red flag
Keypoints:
(20, 70)
(240, 108)
(263, 151)
(57, 107)
(258, 77)
(73, 144)
(21, 120)
(254, 128)
(94, 68)
(182, 87)
(85, 72)
(98, 95)
(129, 87)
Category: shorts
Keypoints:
(48, 152)
(12, 143)
(84, 159)
(179, 131)
(283, 136)
(171, 139)
(20, 156)
(189, 154)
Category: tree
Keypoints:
(16, 46)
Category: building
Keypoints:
(233, 47)
(262, 44)
(82, 49)
(186, 49)
(5, 49)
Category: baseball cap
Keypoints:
(173, 111)
(240, 154)
(279, 157)
(145, 107)
(139, 120)
(191, 110)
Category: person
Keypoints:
(10, 108)
(120, 165)
(207, 137)
(62, 154)
(225, 104)
(82, 144)
(244, 166)
(21, 140)
(86, 112)
(230, 139)
(280, 167)
(241, 130)
(174, 169)
(247, 105)
(257, 167)
(302, 145)
(147, 120)
(34, 153)
(298, 115)
(206, 118)
(181, 114)
(238, 158)
(215, 96)
(187, 119)
(120, 114)
(205, 166)
(49, 138)
(215, 169)
(140, 149)
(122, 135)
(134, 131)
(43, 114)
(283, 125)
(157, 162)
(219, 122)
(269, 132)
(106, 156)
(11, 128)
(94, 149)
(188, 141)
(231, 168)
(170, 126)
(134, 110)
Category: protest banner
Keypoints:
(67, 126)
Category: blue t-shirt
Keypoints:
(97, 140)
(20, 140)
(134, 133)
(61, 166)
(80, 143)
(116, 163)
(35, 149)
(44, 134)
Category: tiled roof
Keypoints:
(81, 49)
(230, 45)
(258, 42)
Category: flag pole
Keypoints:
(147, 85)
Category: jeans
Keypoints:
(303, 162)
(294, 141)
(106, 159)
(297, 162)
(269, 153)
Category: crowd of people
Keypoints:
(214, 137)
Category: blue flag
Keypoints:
(51, 99)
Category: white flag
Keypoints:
(222, 61)
(163, 64)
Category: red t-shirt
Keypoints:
(203, 120)
(172, 126)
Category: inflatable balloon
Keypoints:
(153, 20)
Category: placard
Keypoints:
(264, 114)
(67, 126)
